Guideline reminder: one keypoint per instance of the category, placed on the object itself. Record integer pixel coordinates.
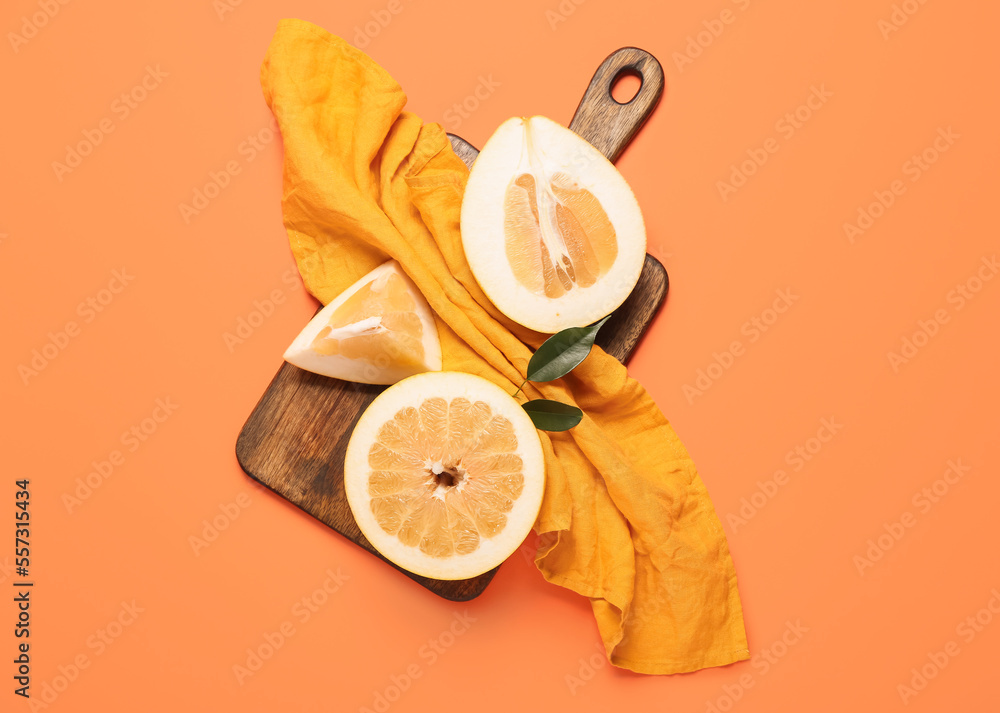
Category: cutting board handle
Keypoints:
(602, 120)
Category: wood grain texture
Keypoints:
(295, 439)
(603, 121)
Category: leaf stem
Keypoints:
(519, 388)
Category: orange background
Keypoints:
(531, 645)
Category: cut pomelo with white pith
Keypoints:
(377, 331)
(551, 230)
(444, 474)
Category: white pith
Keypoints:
(553, 149)
(411, 392)
(301, 354)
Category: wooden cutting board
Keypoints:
(295, 439)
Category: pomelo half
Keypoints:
(444, 474)
(377, 331)
(551, 230)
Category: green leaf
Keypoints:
(552, 415)
(562, 352)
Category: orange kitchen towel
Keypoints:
(626, 519)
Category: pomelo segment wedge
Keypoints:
(551, 230)
(378, 331)
(444, 474)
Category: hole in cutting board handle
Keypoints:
(626, 85)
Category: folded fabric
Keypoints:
(625, 520)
